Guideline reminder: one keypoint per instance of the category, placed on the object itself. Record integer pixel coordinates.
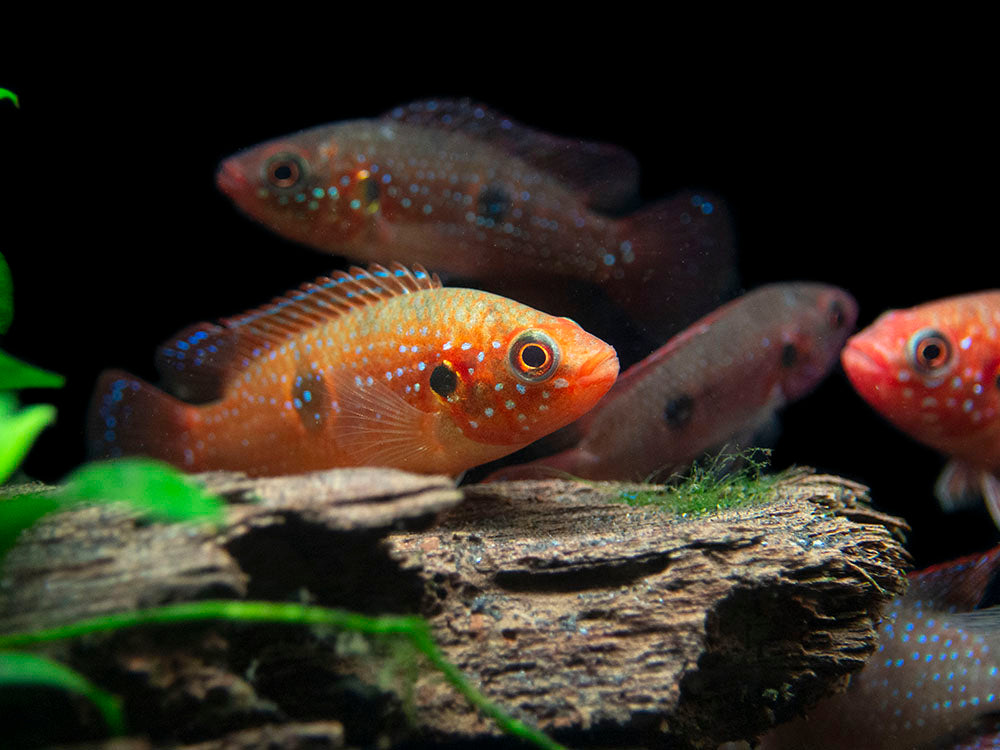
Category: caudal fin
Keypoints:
(128, 416)
(676, 261)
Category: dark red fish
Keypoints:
(457, 187)
(720, 380)
(934, 681)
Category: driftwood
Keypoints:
(603, 624)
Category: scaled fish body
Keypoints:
(934, 372)
(722, 378)
(934, 680)
(460, 188)
(379, 367)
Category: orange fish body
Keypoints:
(460, 188)
(934, 372)
(379, 367)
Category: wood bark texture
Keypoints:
(602, 624)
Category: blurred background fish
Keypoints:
(465, 190)
(934, 681)
(720, 381)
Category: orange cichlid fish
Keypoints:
(720, 380)
(379, 367)
(934, 372)
(934, 681)
(460, 188)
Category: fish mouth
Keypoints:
(600, 368)
(861, 361)
(230, 179)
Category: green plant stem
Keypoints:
(411, 627)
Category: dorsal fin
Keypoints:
(326, 298)
(197, 363)
(606, 175)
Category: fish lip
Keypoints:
(858, 359)
(601, 367)
(230, 179)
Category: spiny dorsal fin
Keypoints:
(607, 176)
(328, 297)
(198, 362)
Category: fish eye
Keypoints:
(533, 356)
(836, 316)
(929, 350)
(284, 171)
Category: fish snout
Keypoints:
(600, 368)
(231, 179)
(864, 363)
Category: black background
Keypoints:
(858, 168)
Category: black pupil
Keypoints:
(932, 352)
(282, 173)
(443, 381)
(533, 356)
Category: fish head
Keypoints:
(932, 370)
(315, 186)
(819, 320)
(522, 379)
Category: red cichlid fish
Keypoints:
(379, 367)
(720, 379)
(458, 187)
(934, 372)
(934, 681)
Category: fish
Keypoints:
(934, 680)
(458, 187)
(933, 371)
(721, 379)
(380, 367)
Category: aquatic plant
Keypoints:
(721, 482)
(414, 629)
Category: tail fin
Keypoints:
(128, 416)
(678, 261)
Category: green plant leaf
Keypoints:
(415, 629)
(18, 668)
(6, 296)
(20, 512)
(16, 374)
(18, 430)
(154, 487)
(8, 94)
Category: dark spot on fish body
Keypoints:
(789, 355)
(311, 399)
(368, 193)
(443, 381)
(493, 205)
(678, 411)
